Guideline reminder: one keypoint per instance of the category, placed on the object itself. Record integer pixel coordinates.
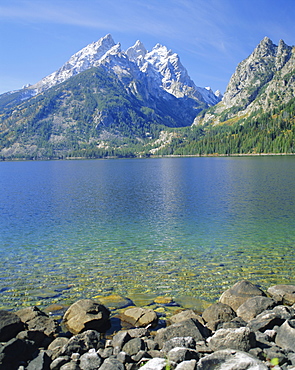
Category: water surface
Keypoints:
(177, 226)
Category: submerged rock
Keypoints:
(114, 301)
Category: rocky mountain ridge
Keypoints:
(160, 69)
(260, 82)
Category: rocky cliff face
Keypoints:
(262, 81)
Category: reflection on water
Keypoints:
(177, 226)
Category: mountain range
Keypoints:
(107, 102)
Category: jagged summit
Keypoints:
(85, 58)
(160, 68)
(136, 52)
(166, 69)
(260, 82)
(255, 71)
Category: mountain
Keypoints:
(109, 102)
(101, 98)
(256, 114)
(262, 81)
(160, 68)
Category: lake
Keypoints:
(184, 227)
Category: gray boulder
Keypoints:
(112, 364)
(284, 312)
(283, 293)
(106, 352)
(217, 314)
(180, 354)
(41, 362)
(73, 365)
(123, 357)
(82, 343)
(187, 365)
(133, 346)
(266, 320)
(10, 325)
(218, 311)
(241, 339)
(56, 346)
(138, 332)
(186, 342)
(59, 362)
(151, 344)
(275, 352)
(237, 322)
(254, 306)
(38, 321)
(86, 314)
(285, 337)
(119, 339)
(58, 342)
(38, 337)
(155, 364)
(140, 355)
(230, 360)
(44, 324)
(191, 328)
(239, 293)
(90, 360)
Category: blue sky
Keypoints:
(210, 36)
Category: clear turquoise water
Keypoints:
(186, 227)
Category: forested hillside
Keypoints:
(270, 132)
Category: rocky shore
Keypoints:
(246, 329)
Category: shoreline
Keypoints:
(247, 328)
(150, 157)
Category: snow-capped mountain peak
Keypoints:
(85, 58)
(160, 67)
(136, 52)
(93, 51)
